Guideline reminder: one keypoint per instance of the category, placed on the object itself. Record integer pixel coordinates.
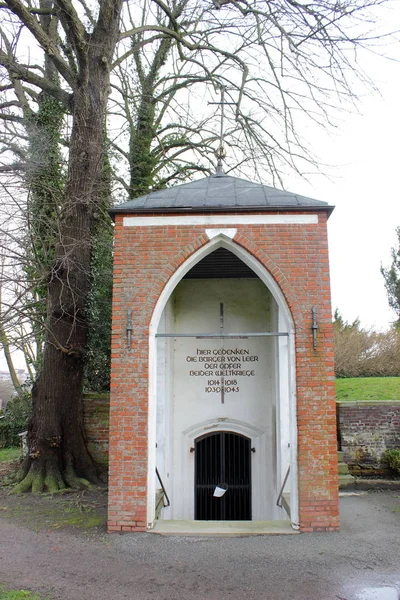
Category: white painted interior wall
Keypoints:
(186, 410)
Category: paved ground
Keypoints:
(350, 565)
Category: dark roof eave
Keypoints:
(220, 209)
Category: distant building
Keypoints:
(5, 375)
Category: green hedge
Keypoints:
(391, 459)
(15, 420)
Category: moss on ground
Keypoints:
(84, 510)
(18, 595)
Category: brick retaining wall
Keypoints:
(367, 429)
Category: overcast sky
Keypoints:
(365, 192)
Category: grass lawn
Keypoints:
(18, 595)
(7, 454)
(368, 388)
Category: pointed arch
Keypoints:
(264, 267)
(270, 274)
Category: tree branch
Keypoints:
(20, 72)
(74, 30)
(25, 16)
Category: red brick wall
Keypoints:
(297, 258)
(367, 429)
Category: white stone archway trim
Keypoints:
(228, 233)
(287, 378)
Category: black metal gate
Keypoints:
(223, 458)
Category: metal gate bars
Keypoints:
(223, 458)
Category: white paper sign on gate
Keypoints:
(220, 490)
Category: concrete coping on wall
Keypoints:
(366, 402)
(106, 396)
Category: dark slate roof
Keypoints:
(219, 193)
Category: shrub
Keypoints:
(16, 416)
(391, 459)
(363, 352)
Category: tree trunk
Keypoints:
(142, 162)
(5, 345)
(58, 456)
(10, 363)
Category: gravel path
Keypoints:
(70, 565)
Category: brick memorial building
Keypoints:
(222, 387)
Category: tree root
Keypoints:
(39, 476)
(25, 485)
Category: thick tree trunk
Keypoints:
(58, 456)
(142, 163)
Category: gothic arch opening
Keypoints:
(221, 363)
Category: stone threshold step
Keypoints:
(222, 528)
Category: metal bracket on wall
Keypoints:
(314, 326)
(129, 328)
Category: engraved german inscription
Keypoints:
(222, 368)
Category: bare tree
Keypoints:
(283, 66)
(22, 303)
(273, 61)
(5, 343)
(361, 352)
(16, 299)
